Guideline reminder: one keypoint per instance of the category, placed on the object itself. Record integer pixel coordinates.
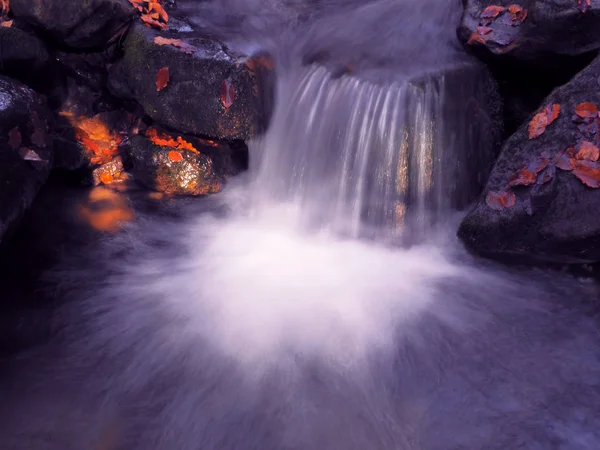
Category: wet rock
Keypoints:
(109, 173)
(210, 90)
(557, 218)
(179, 165)
(538, 31)
(25, 150)
(21, 51)
(78, 24)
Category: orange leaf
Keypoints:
(476, 38)
(14, 138)
(137, 4)
(517, 14)
(588, 151)
(227, 93)
(498, 200)
(162, 78)
(491, 12)
(586, 109)
(588, 173)
(565, 160)
(6, 23)
(175, 156)
(185, 47)
(528, 173)
(543, 119)
(164, 140)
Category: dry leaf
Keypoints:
(565, 160)
(588, 173)
(185, 47)
(162, 78)
(6, 23)
(14, 138)
(29, 155)
(498, 200)
(484, 30)
(175, 156)
(588, 151)
(586, 109)
(491, 12)
(547, 174)
(164, 140)
(528, 173)
(517, 14)
(227, 93)
(476, 38)
(543, 119)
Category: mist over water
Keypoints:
(289, 312)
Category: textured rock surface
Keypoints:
(21, 50)
(552, 27)
(25, 150)
(210, 91)
(557, 221)
(78, 24)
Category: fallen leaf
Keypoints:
(476, 38)
(14, 138)
(498, 200)
(175, 156)
(227, 93)
(565, 160)
(6, 23)
(484, 30)
(584, 5)
(543, 119)
(491, 12)
(137, 4)
(164, 140)
(586, 109)
(547, 174)
(162, 78)
(185, 47)
(588, 173)
(4, 7)
(527, 174)
(517, 14)
(29, 155)
(588, 151)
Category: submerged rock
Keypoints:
(179, 165)
(556, 218)
(532, 29)
(207, 90)
(78, 24)
(25, 150)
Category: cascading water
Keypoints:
(260, 319)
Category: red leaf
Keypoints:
(484, 30)
(541, 120)
(175, 156)
(547, 174)
(588, 151)
(498, 200)
(565, 160)
(185, 47)
(14, 138)
(586, 109)
(162, 78)
(491, 12)
(527, 174)
(588, 173)
(227, 93)
(476, 38)
(584, 5)
(517, 14)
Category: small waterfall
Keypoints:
(373, 159)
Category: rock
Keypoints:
(21, 51)
(210, 91)
(540, 31)
(111, 172)
(179, 165)
(25, 150)
(81, 24)
(555, 221)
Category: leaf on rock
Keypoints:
(586, 109)
(137, 4)
(29, 155)
(498, 200)
(588, 173)
(517, 14)
(162, 78)
(14, 138)
(227, 93)
(584, 5)
(164, 140)
(543, 119)
(484, 30)
(476, 38)
(565, 160)
(492, 11)
(528, 173)
(6, 23)
(175, 156)
(183, 46)
(587, 151)
(547, 174)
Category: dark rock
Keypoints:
(558, 221)
(25, 150)
(21, 51)
(81, 24)
(211, 91)
(179, 170)
(551, 27)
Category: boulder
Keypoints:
(207, 90)
(25, 150)
(532, 29)
(81, 24)
(21, 51)
(556, 218)
(179, 165)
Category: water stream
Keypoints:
(322, 302)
